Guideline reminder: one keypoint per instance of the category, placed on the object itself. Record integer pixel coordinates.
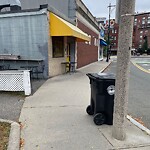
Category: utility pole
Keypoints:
(108, 45)
(126, 8)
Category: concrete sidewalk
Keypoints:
(55, 118)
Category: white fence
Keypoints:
(15, 80)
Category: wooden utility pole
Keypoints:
(126, 13)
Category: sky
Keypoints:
(99, 7)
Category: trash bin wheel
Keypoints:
(99, 119)
(89, 110)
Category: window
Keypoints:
(95, 42)
(58, 47)
(90, 40)
(114, 37)
(115, 31)
(143, 20)
(141, 36)
(86, 42)
(140, 41)
(114, 44)
(148, 20)
(98, 42)
(135, 22)
(112, 30)
(132, 44)
(141, 32)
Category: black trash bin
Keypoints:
(102, 97)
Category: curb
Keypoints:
(14, 136)
(106, 67)
(140, 126)
(133, 121)
(95, 62)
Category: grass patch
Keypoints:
(4, 135)
(21, 94)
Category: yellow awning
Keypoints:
(60, 27)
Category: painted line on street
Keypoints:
(145, 64)
(143, 128)
(139, 67)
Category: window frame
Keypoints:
(148, 20)
(135, 21)
(57, 42)
(143, 20)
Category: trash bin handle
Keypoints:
(89, 75)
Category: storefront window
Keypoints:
(58, 47)
(101, 53)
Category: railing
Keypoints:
(15, 80)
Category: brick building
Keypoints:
(114, 30)
(102, 50)
(141, 33)
(141, 30)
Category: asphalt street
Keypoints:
(10, 105)
(11, 102)
(144, 63)
(139, 87)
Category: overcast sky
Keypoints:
(99, 7)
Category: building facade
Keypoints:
(85, 52)
(38, 37)
(103, 43)
(141, 34)
(113, 35)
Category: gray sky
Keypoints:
(99, 7)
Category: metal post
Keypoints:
(127, 8)
(107, 59)
(108, 45)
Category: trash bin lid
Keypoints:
(104, 75)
